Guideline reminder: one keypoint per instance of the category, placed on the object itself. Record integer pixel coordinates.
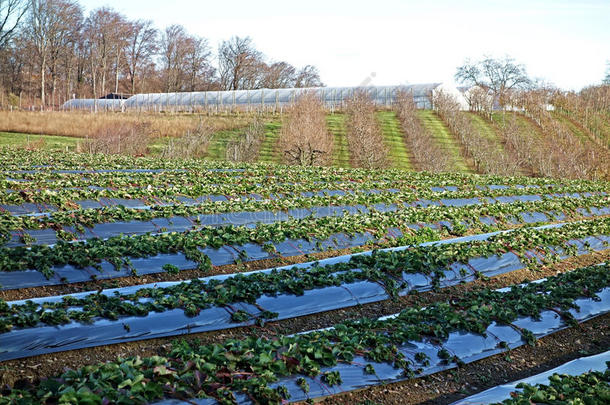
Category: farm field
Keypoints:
(142, 280)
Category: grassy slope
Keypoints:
(219, 142)
(336, 126)
(444, 138)
(268, 152)
(46, 142)
(394, 139)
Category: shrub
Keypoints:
(364, 137)
(304, 138)
(129, 138)
(247, 146)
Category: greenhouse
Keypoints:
(263, 99)
(94, 104)
(274, 99)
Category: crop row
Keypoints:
(73, 225)
(66, 198)
(371, 277)
(585, 380)
(251, 365)
(44, 163)
(118, 249)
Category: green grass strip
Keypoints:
(443, 137)
(269, 149)
(336, 126)
(394, 140)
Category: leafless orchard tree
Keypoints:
(247, 146)
(193, 144)
(486, 154)
(480, 100)
(427, 155)
(364, 137)
(497, 76)
(588, 108)
(565, 155)
(304, 138)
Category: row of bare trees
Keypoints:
(364, 137)
(486, 154)
(50, 51)
(563, 154)
(426, 154)
(590, 108)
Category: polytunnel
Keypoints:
(94, 104)
(273, 99)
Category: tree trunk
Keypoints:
(42, 80)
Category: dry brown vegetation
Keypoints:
(193, 144)
(426, 153)
(486, 153)
(304, 138)
(590, 108)
(559, 153)
(125, 138)
(364, 136)
(79, 124)
(247, 146)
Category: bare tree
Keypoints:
(426, 153)
(239, 64)
(142, 46)
(247, 146)
(499, 76)
(185, 61)
(11, 13)
(104, 31)
(304, 138)
(607, 76)
(364, 136)
(308, 76)
(278, 75)
(198, 69)
(487, 155)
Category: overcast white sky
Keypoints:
(566, 43)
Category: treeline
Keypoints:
(50, 51)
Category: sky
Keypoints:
(388, 42)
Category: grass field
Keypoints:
(394, 140)
(336, 126)
(46, 142)
(445, 139)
